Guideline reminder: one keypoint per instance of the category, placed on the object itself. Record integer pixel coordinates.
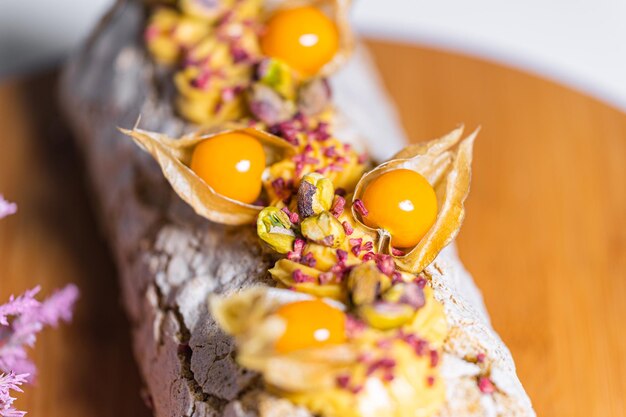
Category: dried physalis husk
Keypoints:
(448, 170)
(174, 157)
(338, 11)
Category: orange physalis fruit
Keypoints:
(310, 324)
(402, 202)
(232, 164)
(303, 37)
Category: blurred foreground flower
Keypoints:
(6, 208)
(10, 382)
(21, 318)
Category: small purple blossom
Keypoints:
(58, 307)
(6, 208)
(10, 382)
(22, 318)
(19, 305)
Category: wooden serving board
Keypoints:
(545, 235)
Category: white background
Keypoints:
(581, 43)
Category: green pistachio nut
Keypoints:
(277, 75)
(314, 96)
(315, 194)
(408, 293)
(323, 229)
(366, 283)
(267, 105)
(385, 316)
(275, 229)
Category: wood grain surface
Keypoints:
(545, 235)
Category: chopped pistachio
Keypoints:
(408, 293)
(274, 228)
(277, 75)
(315, 195)
(314, 96)
(324, 229)
(366, 283)
(384, 316)
(268, 106)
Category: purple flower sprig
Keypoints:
(6, 208)
(21, 318)
(28, 317)
(18, 305)
(10, 382)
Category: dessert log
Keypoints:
(282, 252)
